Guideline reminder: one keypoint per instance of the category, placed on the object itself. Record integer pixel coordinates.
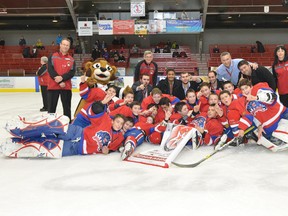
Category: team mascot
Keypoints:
(97, 75)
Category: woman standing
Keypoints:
(280, 72)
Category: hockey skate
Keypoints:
(128, 149)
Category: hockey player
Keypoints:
(134, 136)
(133, 111)
(86, 115)
(128, 99)
(182, 114)
(55, 138)
(264, 106)
(155, 97)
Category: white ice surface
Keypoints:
(248, 180)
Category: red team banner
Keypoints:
(123, 27)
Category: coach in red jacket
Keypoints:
(61, 68)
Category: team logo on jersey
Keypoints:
(255, 106)
(199, 121)
(68, 63)
(102, 138)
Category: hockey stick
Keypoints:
(211, 154)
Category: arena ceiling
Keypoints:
(38, 14)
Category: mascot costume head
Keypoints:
(100, 73)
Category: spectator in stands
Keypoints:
(166, 49)
(116, 58)
(142, 88)
(39, 44)
(216, 49)
(69, 37)
(184, 15)
(147, 66)
(77, 48)
(134, 49)
(105, 54)
(111, 53)
(122, 41)
(253, 49)
(174, 45)
(95, 53)
(53, 43)
(280, 72)
(34, 52)
(215, 84)
(2, 42)
(22, 41)
(43, 77)
(183, 54)
(186, 84)
(157, 49)
(26, 52)
(115, 41)
(121, 58)
(61, 68)
(260, 47)
(170, 84)
(169, 44)
(103, 45)
(59, 39)
(228, 70)
(175, 54)
(261, 74)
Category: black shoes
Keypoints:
(43, 109)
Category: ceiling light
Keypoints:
(54, 20)
(229, 17)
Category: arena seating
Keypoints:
(243, 51)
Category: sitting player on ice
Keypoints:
(126, 101)
(54, 137)
(85, 115)
(182, 115)
(135, 134)
(132, 110)
(263, 106)
(206, 129)
(192, 101)
(228, 85)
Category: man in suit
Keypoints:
(170, 84)
(187, 83)
(142, 88)
(215, 84)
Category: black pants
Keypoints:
(44, 96)
(284, 100)
(65, 95)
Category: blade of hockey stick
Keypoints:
(192, 165)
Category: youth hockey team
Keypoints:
(110, 124)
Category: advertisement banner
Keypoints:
(183, 26)
(123, 27)
(157, 26)
(85, 28)
(7, 82)
(141, 27)
(105, 27)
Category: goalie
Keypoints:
(53, 137)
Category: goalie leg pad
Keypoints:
(48, 127)
(32, 148)
(281, 131)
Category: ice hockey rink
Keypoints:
(245, 180)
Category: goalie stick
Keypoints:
(224, 145)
